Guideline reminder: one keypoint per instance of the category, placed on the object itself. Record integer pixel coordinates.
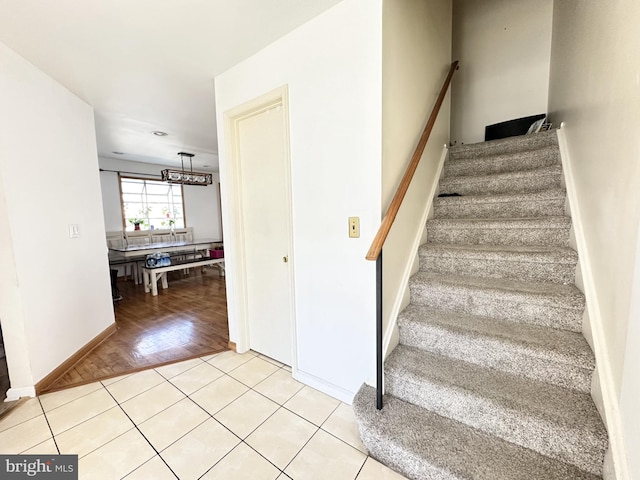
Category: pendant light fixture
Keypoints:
(186, 177)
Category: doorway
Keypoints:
(188, 320)
(263, 269)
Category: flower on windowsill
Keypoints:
(170, 219)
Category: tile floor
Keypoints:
(223, 417)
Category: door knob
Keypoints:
(285, 259)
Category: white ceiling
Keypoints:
(147, 65)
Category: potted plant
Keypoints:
(136, 222)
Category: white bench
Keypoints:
(152, 275)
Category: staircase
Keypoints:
(492, 375)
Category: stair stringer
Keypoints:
(602, 387)
(401, 297)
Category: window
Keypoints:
(151, 204)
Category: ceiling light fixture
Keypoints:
(186, 177)
(158, 133)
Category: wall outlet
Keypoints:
(74, 230)
(354, 227)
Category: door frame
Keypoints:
(237, 298)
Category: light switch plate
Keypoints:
(354, 227)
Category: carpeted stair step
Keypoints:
(543, 304)
(424, 446)
(530, 263)
(563, 424)
(520, 143)
(542, 231)
(511, 182)
(502, 163)
(554, 356)
(533, 204)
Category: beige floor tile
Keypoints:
(227, 361)
(271, 360)
(195, 453)
(342, 423)
(218, 394)
(279, 387)
(154, 469)
(48, 447)
(154, 400)
(169, 425)
(135, 384)
(25, 435)
(374, 470)
(287, 368)
(253, 371)
(281, 437)
(196, 378)
(173, 369)
(326, 457)
(283, 477)
(94, 433)
(79, 410)
(112, 380)
(313, 405)
(26, 411)
(56, 399)
(242, 463)
(206, 358)
(246, 413)
(117, 458)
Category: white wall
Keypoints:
(630, 387)
(416, 60)
(201, 204)
(504, 48)
(595, 89)
(332, 66)
(55, 294)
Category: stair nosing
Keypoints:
(547, 194)
(521, 463)
(528, 342)
(511, 398)
(510, 253)
(534, 172)
(498, 284)
(555, 221)
(548, 155)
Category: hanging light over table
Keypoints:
(186, 177)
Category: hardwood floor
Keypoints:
(187, 320)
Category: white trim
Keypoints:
(14, 394)
(236, 265)
(609, 397)
(330, 389)
(397, 304)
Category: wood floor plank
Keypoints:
(187, 320)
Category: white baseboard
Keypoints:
(387, 339)
(607, 385)
(17, 393)
(330, 389)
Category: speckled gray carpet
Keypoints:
(492, 376)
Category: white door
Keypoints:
(265, 218)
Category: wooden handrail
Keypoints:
(390, 216)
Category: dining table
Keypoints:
(135, 254)
(187, 246)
